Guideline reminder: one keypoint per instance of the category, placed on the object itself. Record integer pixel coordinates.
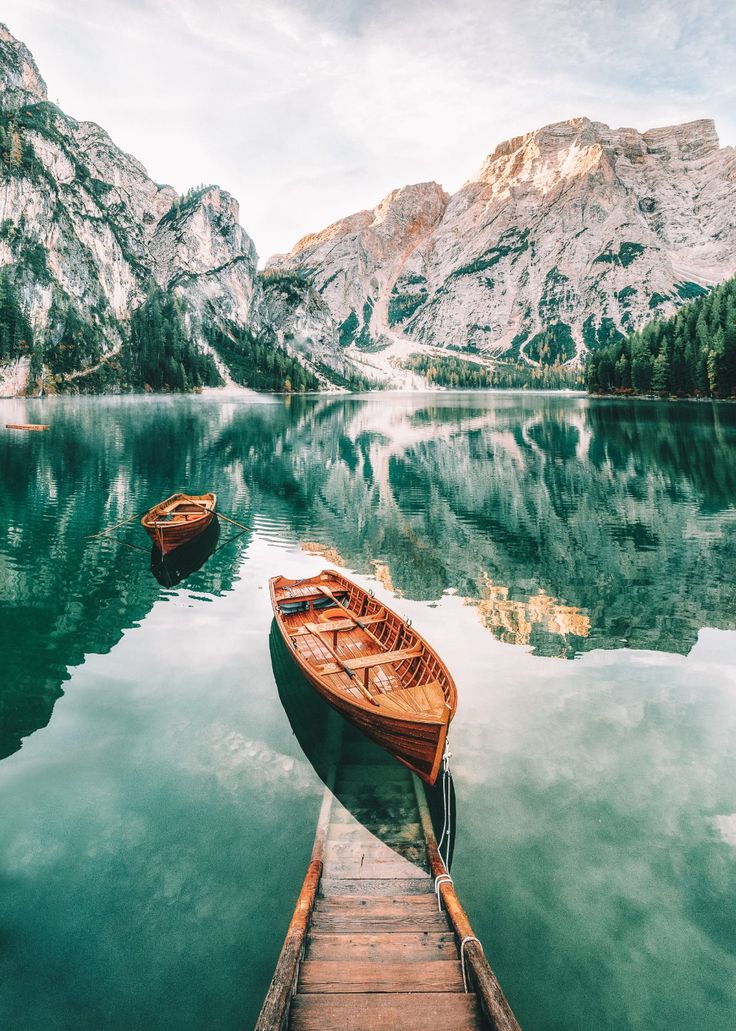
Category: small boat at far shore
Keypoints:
(179, 519)
(26, 426)
(369, 664)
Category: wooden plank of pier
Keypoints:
(368, 948)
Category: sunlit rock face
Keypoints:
(85, 226)
(355, 263)
(20, 79)
(564, 237)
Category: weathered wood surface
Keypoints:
(409, 946)
(378, 953)
(381, 975)
(435, 1011)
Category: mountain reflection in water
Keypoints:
(162, 822)
(571, 524)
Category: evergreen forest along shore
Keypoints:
(691, 354)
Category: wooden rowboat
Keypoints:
(369, 664)
(26, 426)
(179, 519)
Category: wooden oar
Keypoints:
(233, 521)
(358, 622)
(90, 536)
(328, 593)
(220, 515)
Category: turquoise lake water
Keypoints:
(573, 562)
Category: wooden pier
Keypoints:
(368, 947)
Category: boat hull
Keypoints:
(419, 746)
(416, 739)
(171, 569)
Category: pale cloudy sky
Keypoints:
(308, 110)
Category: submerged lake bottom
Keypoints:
(570, 559)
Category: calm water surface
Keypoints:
(573, 561)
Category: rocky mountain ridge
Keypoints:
(86, 237)
(565, 238)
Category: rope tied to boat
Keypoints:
(446, 807)
(440, 879)
(463, 943)
(295, 584)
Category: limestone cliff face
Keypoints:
(290, 308)
(200, 250)
(20, 79)
(356, 263)
(84, 227)
(563, 238)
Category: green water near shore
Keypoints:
(571, 559)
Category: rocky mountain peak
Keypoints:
(199, 235)
(425, 201)
(576, 146)
(566, 238)
(543, 158)
(220, 202)
(20, 80)
(687, 141)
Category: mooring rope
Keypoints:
(445, 878)
(446, 807)
(440, 879)
(463, 943)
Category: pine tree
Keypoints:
(661, 374)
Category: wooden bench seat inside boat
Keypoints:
(366, 661)
(331, 625)
(310, 592)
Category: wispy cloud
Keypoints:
(308, 110)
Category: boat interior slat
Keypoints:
(391, 670)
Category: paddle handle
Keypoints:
(326, 591)
(220, 515)
(91, 536)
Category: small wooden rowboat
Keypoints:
(179, 519)
(369, 664)
(26, 426)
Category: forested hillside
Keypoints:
(691, 354)
(460, 374)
